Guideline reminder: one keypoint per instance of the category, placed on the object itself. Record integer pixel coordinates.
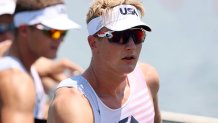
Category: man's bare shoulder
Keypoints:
(70, 106)
(14, 76)
(151, 77)
(16, 85)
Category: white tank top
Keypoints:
(12, 62)
(139, 107)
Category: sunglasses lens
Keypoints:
(116, 37)
(55, 34)
(138, 36)
(122, 37)
(52, 33)
(6, 27)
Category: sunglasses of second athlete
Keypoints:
(6, 28)
(122, 37)
(52, 33)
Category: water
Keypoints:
(182, 47)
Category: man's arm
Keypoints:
(55, 69)
(52, 72)
(152, 79)
(17, 97)
(70, 106)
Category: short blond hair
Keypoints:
(31, 5)
(101, 7)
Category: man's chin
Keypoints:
(129, 69)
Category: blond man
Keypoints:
(114, 88)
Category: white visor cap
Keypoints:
(54, 17)
(7, 6)
(120, 18)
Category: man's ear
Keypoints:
(92, 41)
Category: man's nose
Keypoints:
(130, 44)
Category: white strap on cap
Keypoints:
(38, 16)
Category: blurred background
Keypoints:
(182, 47)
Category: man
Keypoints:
(114, 88)
(7, 8)
(40, 29)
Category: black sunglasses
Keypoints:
(52, 33)
(6, 28)
(122, 37)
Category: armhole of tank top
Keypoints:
(75, 82)
(139, 70)
(11, 62)
(92, 98)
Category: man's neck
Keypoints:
(25, 58)
(113, 90)
(106, 83)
